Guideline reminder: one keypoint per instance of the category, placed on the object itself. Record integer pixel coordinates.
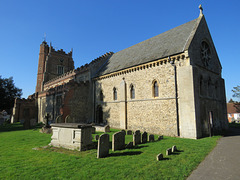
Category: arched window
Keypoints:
(155, 89)
(132, 92)
(114, 94)
(101, 96)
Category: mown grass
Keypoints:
(18, 159)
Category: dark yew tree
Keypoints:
(8, 93)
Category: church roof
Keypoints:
(168, 43)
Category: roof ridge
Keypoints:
(198, 20)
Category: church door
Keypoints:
(99, 115)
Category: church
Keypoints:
(170, 84)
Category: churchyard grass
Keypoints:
(23, 156)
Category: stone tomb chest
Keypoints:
(73, 136)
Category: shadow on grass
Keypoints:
(11, 127)
(164, 159)
(126, 153)
(137, 147)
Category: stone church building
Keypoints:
(170, 84)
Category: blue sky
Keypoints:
(95, 27)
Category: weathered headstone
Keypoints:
(144, 137)
(103, 146)
(129, 132)
(59, 119)
(124, 132)
(129, 145)
(96, 137)
(174, 149)
(136, 138)
(168, 151)
(151, 138)
(159, 157)
(118, 141)
(68, 119)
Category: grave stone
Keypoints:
(96, 137)
(144, 137)
(159, 157)
(151, 138)
(59, 119)
(103, 146)
(168, 151)
(174, 149)
(136, 137)
(124, 132)
(68, 119)
(129, 132)
(129, 145)
(118, 141)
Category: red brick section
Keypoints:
(44, 49)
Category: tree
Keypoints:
(8, 93)
(236, 91)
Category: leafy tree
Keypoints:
(231, 101)
(236, 91)
(8, 93)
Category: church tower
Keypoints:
(52, 64)
(44, 50)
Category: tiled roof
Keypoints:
(168, 43)
(233, 108)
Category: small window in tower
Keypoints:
(60, 70)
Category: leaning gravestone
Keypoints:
(136, 138)
(151, 138)
(159, 157)
(103, 146)
(168, 151)
(118, 141)
(144, 137)
(174, 149)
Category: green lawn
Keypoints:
(18, 159)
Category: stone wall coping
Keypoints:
(71, 125)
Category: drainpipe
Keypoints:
(176, 92)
